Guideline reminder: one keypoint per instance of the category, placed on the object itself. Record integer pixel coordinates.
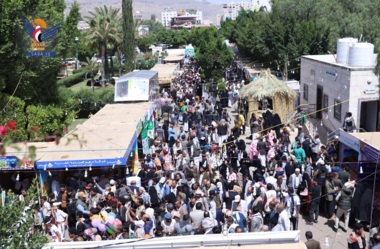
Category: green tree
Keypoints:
(13, 109)
(69, 31)
(16, 228)
(297, 27)
(128, 35)
(229, 30)
(51, 120)
(92, 101)
(103, 32)
(31, 78)
(92, 67)
(377, 68)
(212, 53)
(153, 25)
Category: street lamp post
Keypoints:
(76, 52)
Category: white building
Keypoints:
(143, 30)
(196, 13)
(232, 10)
(342, 83)
(167, 15)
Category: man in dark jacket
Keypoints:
(261, 148)
(314, 203)
(344, 176)
(344, 205)
(306, 146)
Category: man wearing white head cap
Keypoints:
(61, 218)
(239, 205)
(295, 179)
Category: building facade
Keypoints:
(167, 15)
(232, 10)
(335, 88)
(197, 14)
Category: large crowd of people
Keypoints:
(203, 177)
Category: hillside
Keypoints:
(155, 7)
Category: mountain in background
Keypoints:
(155, 7)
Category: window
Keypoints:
(305, 92)
(325, 103)
(338, 109)
(312, 74)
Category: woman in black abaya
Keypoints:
(355, 203)
(365, 206)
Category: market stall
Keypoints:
(17, 166)
(268, 93)
(361, 152)
(137, 86)
(166, 73)
(108, 140)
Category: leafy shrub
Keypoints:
(75, 78)
(221, 85)
(79, 70)
(49, 119)
(72, 79)
(14, 110)
(92, 101)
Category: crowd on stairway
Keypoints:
(212, 168)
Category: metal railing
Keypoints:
(360, 130)
(332, 134)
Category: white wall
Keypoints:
(359, 83)
(347, 86)
(166, 17)
(334, 87)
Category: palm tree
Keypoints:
(153, 25)
(92, 67)
(103, 32)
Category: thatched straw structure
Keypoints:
(267, 86)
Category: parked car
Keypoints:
(70, 61)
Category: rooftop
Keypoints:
(180, 17)
(139, 74)
(371, 138)
(165, 72)
(105, 139)
(175, 54)
(19, 150)
(330, 59)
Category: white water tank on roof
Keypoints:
(361, 55)
(343, 45)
